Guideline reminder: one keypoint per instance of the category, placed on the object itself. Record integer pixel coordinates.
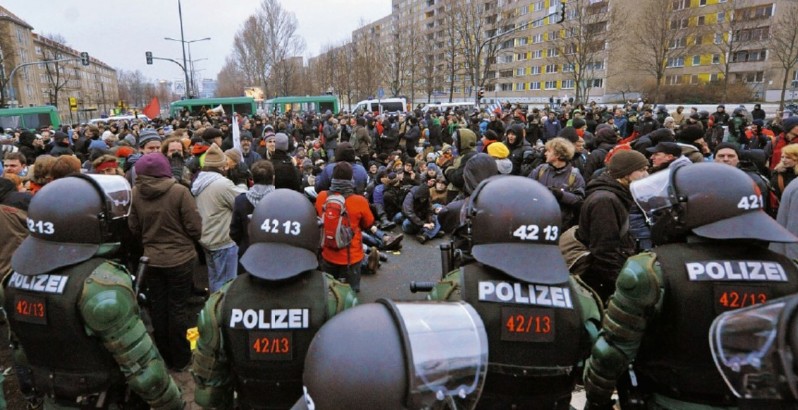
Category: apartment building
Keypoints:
(533, 57)
(95, 87)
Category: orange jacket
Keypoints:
(360, 217)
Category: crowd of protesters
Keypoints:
(196, 180)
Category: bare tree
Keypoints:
(231, 80)
(481, 28)
(368, 71)
(396, 58)
(249, 53)
(343, 75)
(57, 74)
(8, 54)
(665, 40)
(282, 42)
(784, 44)
(581, 44)
(452, 47)
(132, 87)
(430, 68)
(735, 31)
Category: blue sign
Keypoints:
(380, 93)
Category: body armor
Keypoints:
(267, 328)
(44, 317)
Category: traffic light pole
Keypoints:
(12, 92)
(149, 56)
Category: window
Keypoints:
(681, 4)
(596, 83)
(675, 62)
(535, 70)
(538, 6)
(701, 20)
(752, 77)
(567, 68)
(505, 73)
(520, 72)
(537, 54)
(535, 85)
(595, 65)
(679, 24)
(699, 39)
(520, 86)
(749, 55)
(721, 16)
(521, 41)
(702, 3)
(567, 84)
(537, 23)
(694, 79)
(718, 38)
(551, 68)
(507, 58)
(678, 43)
(550, 85)
(537, 38)
(673, 79)
(696, 60)
(714, 77)
(520, 56)
(506, 87)
(552, 52)
(715, 58)
(570, 49)
(523, 11)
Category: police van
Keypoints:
(386, 105)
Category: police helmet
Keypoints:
(515, 224)
(284, 236)
(69, 219)
(403, 355)
(712, 200)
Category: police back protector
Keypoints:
(535, 333)
(42, 312)
(700, 282)
(267, 328)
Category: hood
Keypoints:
(661, 135)
(479, 168)
(204, 179)
(152, 187)
(26, 138)
(466, 141)
(605, 182)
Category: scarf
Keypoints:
(342, 186)
(257, 192)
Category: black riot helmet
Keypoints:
(284, 236)
(398, 355)
(712, 200)
(69, 219)
(515, 224)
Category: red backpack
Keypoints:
(337, 232)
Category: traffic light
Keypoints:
(149, 57)
(84, 58)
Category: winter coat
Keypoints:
(360, 175)
(603, 218)
(361, 142)
(417, 206)
(788, 218)
(165, 217)
(360, 218)
(551, 129)
(517, 151)
(596, 159)
(215, 197)
(572, 193)
(286, 174)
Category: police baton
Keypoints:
(143, 262)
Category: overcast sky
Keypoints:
(119, 32)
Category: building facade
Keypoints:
(94, 88)
(533, 57)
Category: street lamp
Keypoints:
(193, 71)
(184, 42)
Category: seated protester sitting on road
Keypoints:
(604, 220)
(437, 192)
(431, 172)
(479, 169)
(562, 179)
(786, 170)
(345, 264)
(343, 153)
(500, 153)
(420, 216)
(393, 196)
(410, 177)
(245, 203)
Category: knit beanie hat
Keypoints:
(498, 150)
(281, 141)
(214, 157)
(154, 165)
(210, 133)
(790, 123)
(625, 162)
(147, 135)
(234, 155)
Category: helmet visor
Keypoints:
(652, 193)
(448, 353)
(745, 346)
(117, 194)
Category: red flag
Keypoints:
(153, 109)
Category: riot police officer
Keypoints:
(397, 355)
(540, 321)
(710, 234)
(255, 330)
(72, 312)
(755, 349)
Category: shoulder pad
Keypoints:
(111, 274)
(448, 288)
(340, 296)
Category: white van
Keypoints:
(465, 106)
(389, 105)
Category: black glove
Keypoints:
(556, 192)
